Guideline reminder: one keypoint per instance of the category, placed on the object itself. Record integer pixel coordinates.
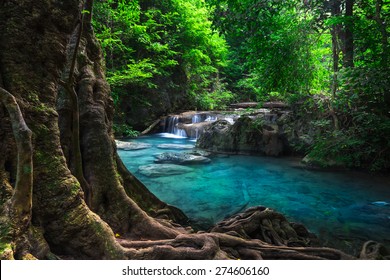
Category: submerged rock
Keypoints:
(380, 203)
(160, 170)
(202, 153)
(316, 163)
(176, 146)
(181, 158)
(128, 146)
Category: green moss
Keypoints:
(6, 252)
(4, 230)
(37, 105)
(33, 97)
(257, 124)
(41, 129)
(75, 189)
(43, 158)
(27, 169)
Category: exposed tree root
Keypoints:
(148, 201)
(267, 225)
(74, 157)
(21, 201)
(17, 210)
(231, 239)
(373, 251)
(210, 246)
(185, 247)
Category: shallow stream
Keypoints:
(343, 209)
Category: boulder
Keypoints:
(216, 137)
(322, 163)
(181, 158)
(248, 135)
(160, 170)
(202, 153)
(194, 130)
(129, 146)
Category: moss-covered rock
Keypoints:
(248, 135)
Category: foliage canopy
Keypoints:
(255, 50)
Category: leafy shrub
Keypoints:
(363, 139)
(124, 130)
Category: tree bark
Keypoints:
(33, 45)
(382, 24)
(74, 157)
(335, 32)
(21, 200)
(17, 210)
(348, 44)
(336, 48)
(89, 12)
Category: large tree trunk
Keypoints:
(36, 42)
(348, 35)
(336, 33)
(33, 45)
(336, 48)
(382, 25)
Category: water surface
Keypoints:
(337, 206)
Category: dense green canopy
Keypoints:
(215, 52)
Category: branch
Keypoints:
(151, 127)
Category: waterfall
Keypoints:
(171, 123)
(188, 125)
(229, 120)
(211, 118)
(180, 132)
(194, 133)
(171, 127)
(196, 118)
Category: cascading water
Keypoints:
(171, 127)
(194, 129)
(194, 133)
(191, 125)
(196, 118)
(211, 118)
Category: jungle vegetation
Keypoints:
(209, 54)
(68, 69)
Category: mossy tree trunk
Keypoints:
(34, 40)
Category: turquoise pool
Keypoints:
(343, 209)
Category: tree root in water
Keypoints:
(258, 233)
